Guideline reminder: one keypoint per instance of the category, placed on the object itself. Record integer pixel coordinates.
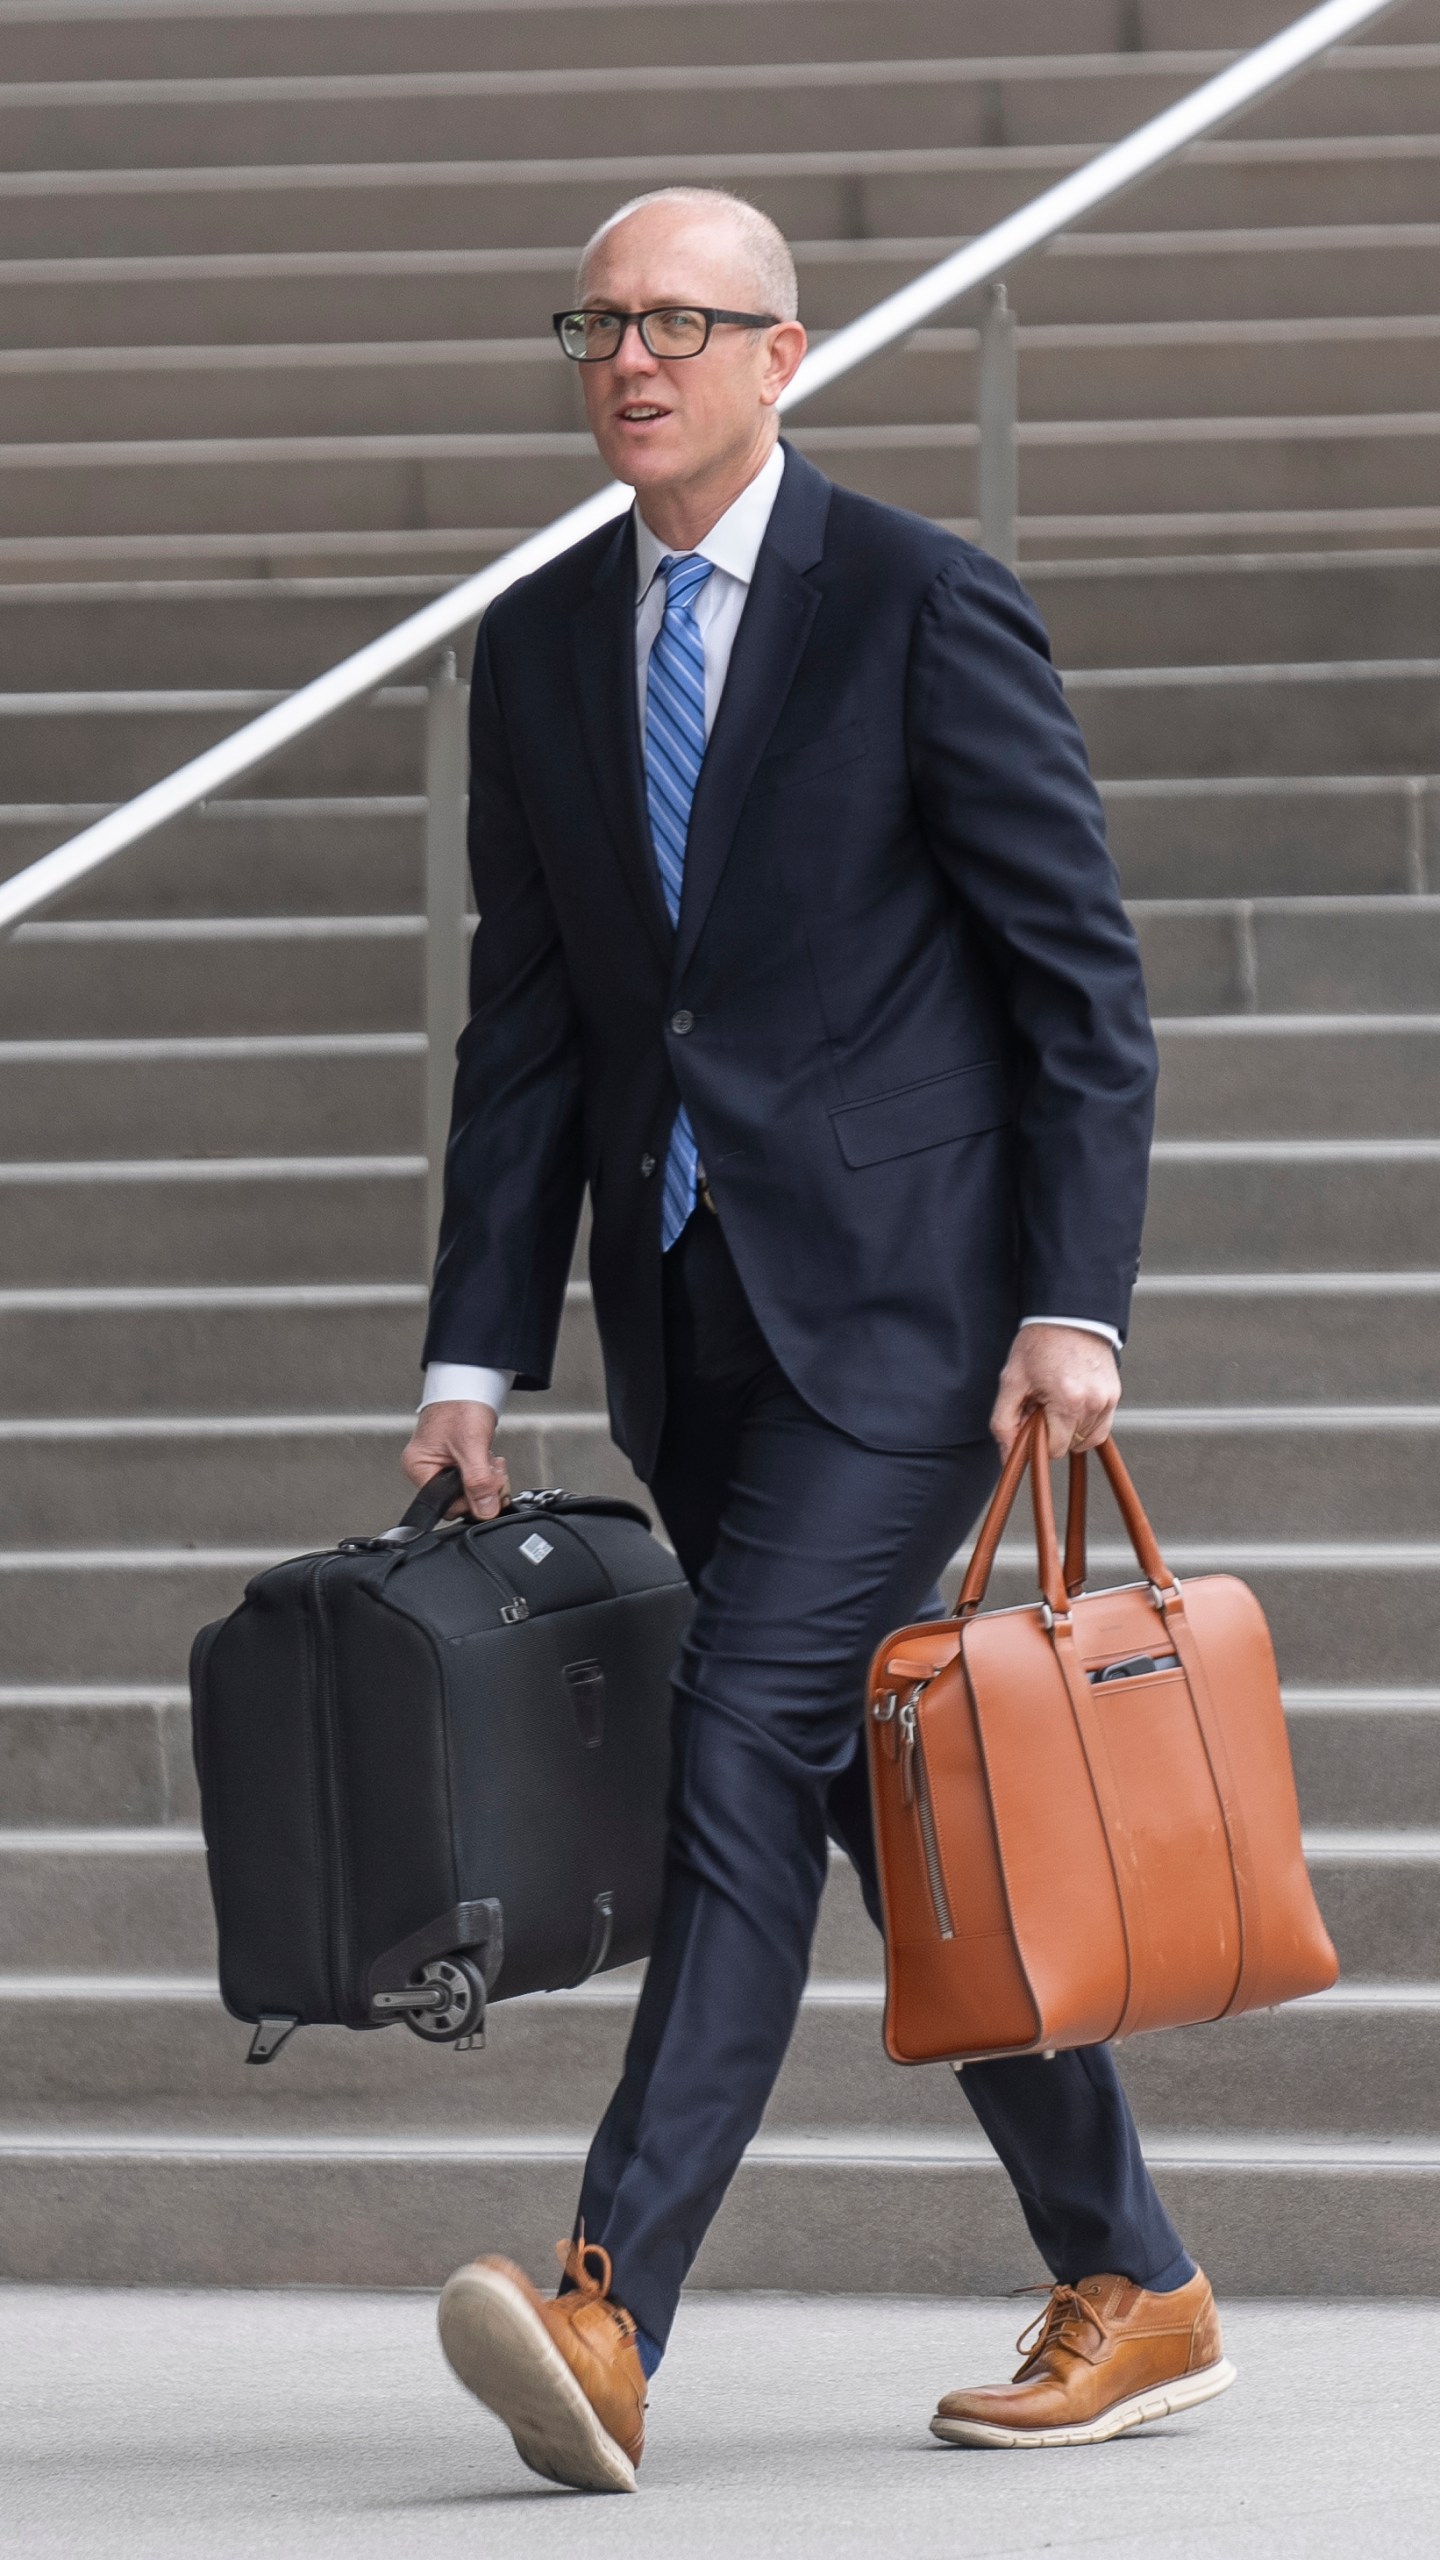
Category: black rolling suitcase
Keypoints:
(433, 1765)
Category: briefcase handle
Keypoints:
(1059, 1582)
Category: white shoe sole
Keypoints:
(1166, 2401)
(500, 2349)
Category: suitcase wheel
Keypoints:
(463, 2014)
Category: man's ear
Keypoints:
(782, 362)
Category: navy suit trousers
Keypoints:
(804, 1548)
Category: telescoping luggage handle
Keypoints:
(1060, 1583)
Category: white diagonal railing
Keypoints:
(424, 635)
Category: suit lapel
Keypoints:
(603, 656)
(774, 628)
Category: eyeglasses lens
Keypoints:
(593, 336)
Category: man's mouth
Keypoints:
(639, 413)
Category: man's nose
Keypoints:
(632, 355)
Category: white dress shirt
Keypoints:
(734, 546)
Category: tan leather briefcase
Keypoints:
(1085, 1811)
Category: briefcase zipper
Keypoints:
(915, 1789)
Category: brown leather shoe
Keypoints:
(564, 2376)
(1107, 2355)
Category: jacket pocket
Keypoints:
(959, 1105)
(840, 746)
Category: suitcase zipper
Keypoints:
(915, 1789)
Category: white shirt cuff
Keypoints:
(455, 1382)
(1077, 1324)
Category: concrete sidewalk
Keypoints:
(215, 2425)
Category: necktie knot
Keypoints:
(685, 574)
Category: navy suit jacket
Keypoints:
(903, 1004)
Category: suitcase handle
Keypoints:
(429, 1506)
(1059, 1583)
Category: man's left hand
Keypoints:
(1073, 1377)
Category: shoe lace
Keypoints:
(1066, 2320)
(576, 2277)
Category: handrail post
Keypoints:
(446, 940)
(998, 411)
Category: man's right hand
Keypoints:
(460, 1435)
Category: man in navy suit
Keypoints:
(800, 945)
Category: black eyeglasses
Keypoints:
(674, 331)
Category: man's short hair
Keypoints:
(764, 243)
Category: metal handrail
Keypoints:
(982, 260)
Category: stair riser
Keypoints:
(306, 1106)
(1248, 844)
(230, 636)
(419, 39)
(276, 398)
(275, 1491)
(1081, 280)
(1282, 960)
(1370, 1085)
(339, 491)
(801, 2227)
(243, 1359)
(1385, 1084)
(1203, 1217)
(365, 862)
(230, 1232)
(1346, 2073)
(1205, 612)
(109, 755)
(1355, 1347)
(1216, 961)
(1344, 1625)
(884, 115)
(303, 1489)
(78, 1765)
(1360, 725)
(141, 1911)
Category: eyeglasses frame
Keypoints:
(712, 319)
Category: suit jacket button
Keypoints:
(647, 1167)
(682, 1021)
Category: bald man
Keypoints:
(800, 945)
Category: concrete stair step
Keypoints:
(1217, 1205)
(197, 633)
(165, 2058)
(1270, 836)
(1221, 1076)
(508, 385)
(1086, 468)
(1198, 610)
(1302, 955)
(1361, 1614)
(563, 114)
(1332, 1338)
(1363, 717)
(303, 1481)
(1206, 1474)
(1285, 1337)
(103, 1755)
(231, 977)
(108, 745)
(112, 1756)
(195, 43)
(351, 856)
(332, 1096)
(1282, 1075)
(237, 1219)
(134, 1901)
(931, 2213)
(352, 293)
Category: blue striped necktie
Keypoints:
(674, 753)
